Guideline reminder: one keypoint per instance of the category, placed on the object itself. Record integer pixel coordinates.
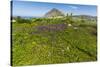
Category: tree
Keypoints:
(22, 20)
(82, 19)
(69, 18)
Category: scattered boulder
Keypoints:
(13, 20)
(69, 25)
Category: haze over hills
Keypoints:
(88, 17)
(57, 13)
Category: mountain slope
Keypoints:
(54, 13)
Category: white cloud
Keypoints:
(73, 7)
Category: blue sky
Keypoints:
(38, 9)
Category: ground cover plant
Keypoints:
(53, 39)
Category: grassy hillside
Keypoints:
(32, 46)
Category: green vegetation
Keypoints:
(32, 46)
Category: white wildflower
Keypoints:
(68, 48)
(75, 27)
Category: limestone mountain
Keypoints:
(54, 13)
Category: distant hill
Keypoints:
(87, 17)
(54, 13)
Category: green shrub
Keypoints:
(22, 20)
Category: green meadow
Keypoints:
(38, 41)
